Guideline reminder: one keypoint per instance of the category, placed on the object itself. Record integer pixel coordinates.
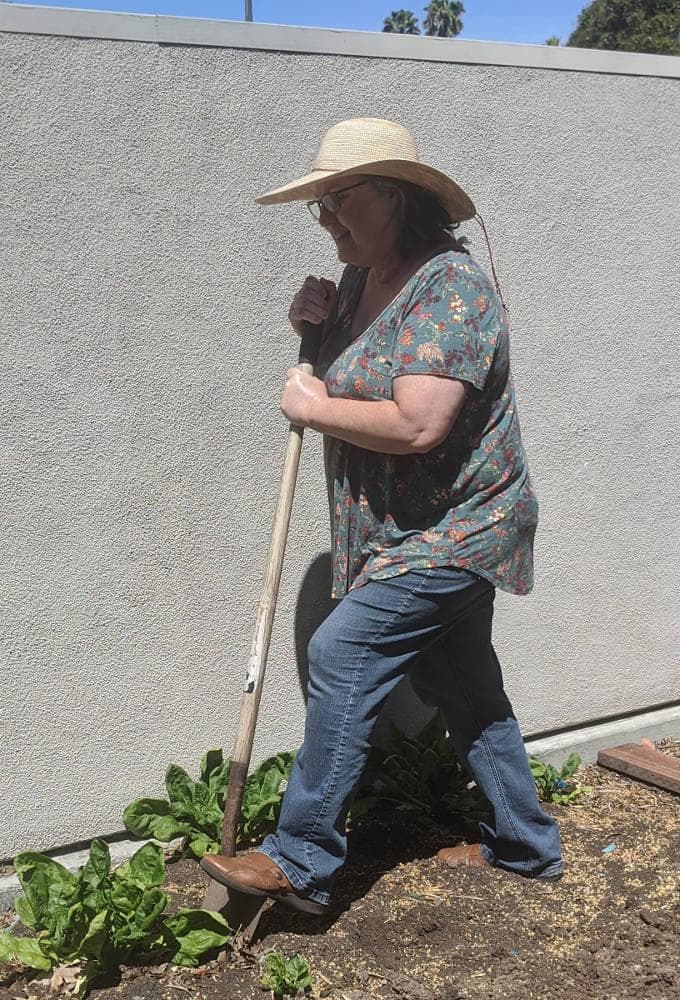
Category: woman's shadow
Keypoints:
(314, 605)
(374, 848)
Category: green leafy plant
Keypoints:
(194, 809)
(286, 977)
(423, 776)
(557, 786)
(98, 918)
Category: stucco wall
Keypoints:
(143, 298)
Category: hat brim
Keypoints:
(315, 184)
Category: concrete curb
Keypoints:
(555, 749)
(587, 740)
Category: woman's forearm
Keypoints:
(377, 425)
(419, 417)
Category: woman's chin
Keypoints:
(344, 249)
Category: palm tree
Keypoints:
(402, 22)
(443, 18)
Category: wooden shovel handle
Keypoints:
(250, 699)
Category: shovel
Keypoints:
(240, 909)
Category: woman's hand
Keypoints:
(302, 396)
(313, 303)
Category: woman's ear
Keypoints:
(398, 200)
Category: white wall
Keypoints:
(143, 298)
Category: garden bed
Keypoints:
(407, 927)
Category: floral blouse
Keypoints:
(468, 502)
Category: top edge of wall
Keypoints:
(26, 19)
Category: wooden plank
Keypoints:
(643, 763)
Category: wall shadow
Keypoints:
(314, 604)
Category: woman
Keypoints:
(431, 509)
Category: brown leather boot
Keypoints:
(465, 855)
(257, 875)
(470, 856)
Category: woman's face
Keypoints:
(365, 224)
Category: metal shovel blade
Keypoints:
(241, 910)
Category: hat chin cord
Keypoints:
(480, 222)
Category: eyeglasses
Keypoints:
(331, 202)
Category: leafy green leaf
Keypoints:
(298, 973)
(195, 809)
(263, 796)
(285, 976)
(68, 931)
(146, 867)
(99, 861)
(93, 878)
(82, 985)
(139, 926)
(423, 776)
(94, 939)
(49, 887)
(570, 766)
(215, 772)
(180, 790)
(6, 949)
(192, 933)
(206, 812)
(24, 950)
(151, 906)
(211, 761)
(125, 897)
(274, 972)
(202, 844)
(556, 786)
(25, 913)
(154, 818)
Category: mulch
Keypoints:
(407, 927)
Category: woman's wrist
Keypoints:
(320, 413)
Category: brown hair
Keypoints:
(424, 221)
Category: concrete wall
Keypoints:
(143, 298)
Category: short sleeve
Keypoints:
(450, 324)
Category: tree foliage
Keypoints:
(629, 25)
(401, 22)
(443, 18)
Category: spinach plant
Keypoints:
(98, 918)
(421, 775)
(286, 977)
(194, 809)
(557, 786)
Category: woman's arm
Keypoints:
(417, 419)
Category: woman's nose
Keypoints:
(325, 216)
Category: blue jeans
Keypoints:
(436, 625)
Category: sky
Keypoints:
(529, 21)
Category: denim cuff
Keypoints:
(294, 878)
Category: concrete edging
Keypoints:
(167, 30)
(587, 740)
(554, 749)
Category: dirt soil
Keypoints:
(407, 928)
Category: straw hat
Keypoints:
(372, 146)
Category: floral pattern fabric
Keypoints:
(468, 502)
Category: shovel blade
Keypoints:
(241, 910)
